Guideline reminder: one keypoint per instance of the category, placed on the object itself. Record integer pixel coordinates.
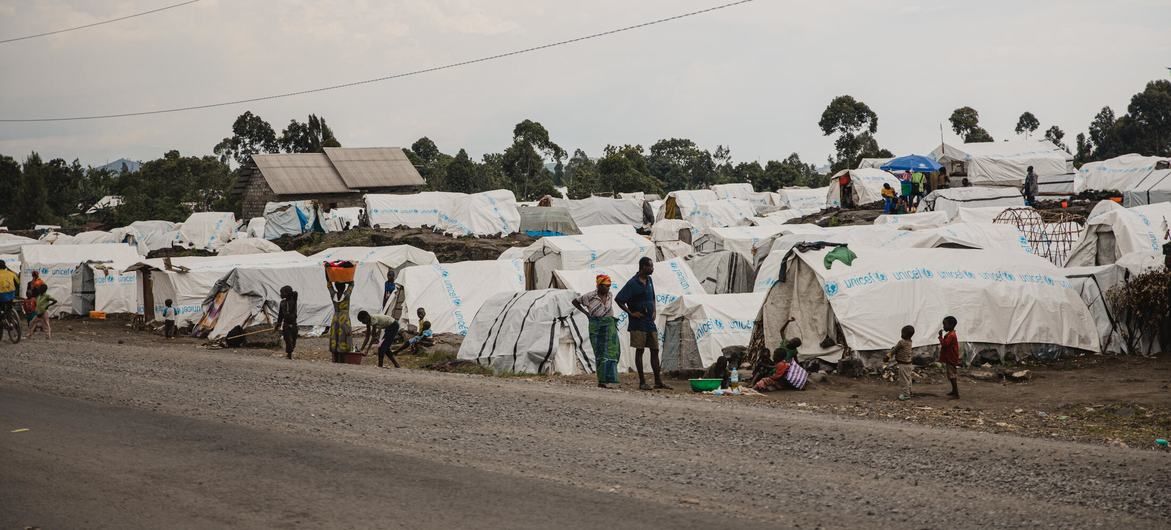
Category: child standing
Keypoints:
(168, 319)
(888, 198)
(44, 302)
(949, 353)
(902, 356)
(286, 319)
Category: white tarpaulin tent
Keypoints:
(999, 237)
(979, 214)
(739, 190)
(254, 228)
(593, 211)
(248, 245)
(739, 239)
(118, 236)
(291, 218)
(609, 229)
(190, 280)
(873, 163)
(700, 326)
(781, 217)
(800, 198)
(1003, 163)
(1112, 231)
(490, 213)
(155, 235)
(412, 211)
(867, 185)
(12, 261)
(342, 219)
(721, 213)
(1154, 188)
(11, 243)
(1120, 173)
(206, 230)
(682, 203)
(999, 298)
(722, 271)
(914, 220)
(452, 293)
(530, 332)
(108, 288)
(672, 238)
(392, 257)
(672, 278)
(950, 200)
(1093, 283)
(585, 251)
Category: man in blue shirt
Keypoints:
(637, 298)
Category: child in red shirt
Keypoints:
(949, 353)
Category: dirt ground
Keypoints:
(1117, 401)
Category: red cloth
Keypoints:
(777, 377)
(949, 349)
(844, 180)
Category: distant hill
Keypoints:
(116, 166)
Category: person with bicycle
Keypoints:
(9, 283)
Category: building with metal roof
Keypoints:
(336, 178)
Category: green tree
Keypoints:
(11, 191)
(788, 172)
(461, 174)
(680, 164)
(855, 124)
(167, 188)
(313, 136)
(1103, 136)
(965, 121)
(1027, 124)
(250, 135)
(1084, 150)
(1055, 134)
(581, 174)
(624, 169)
(1150, 115)
(751, 172)
(34, 197)
(523, 161)
(425, 150)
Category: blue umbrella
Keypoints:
(912, 163)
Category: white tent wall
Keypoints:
(206, 230)
(549, 254)
(715, 321)
(665, 250)
(342, 219)
(609, 229)
(1113, 231)
(248, 245)
(739, 239)
(781, 217)
(12, 261)
(155, 235)
(686, 201)
(254, 295)
(11, 243)
(672, 230)
(1120, 173)
(867, 185)
(452, 293)
(412, 211)
(530, 332)
(1056, 184)
(914, 220)
(950, 200)
(58, 263)
(389, 257)
(803, 198)
(1154, 188)
(1005, 163)
(979, 214)
(862, 239)
(999, 298)
(873, 163)
(593, 211)
(740, 190)
(490, 213)
(672, 278)
(1092, 284)
(722, 271)
(291, 218)
(721, 213)
(114, 291)
(255, 227)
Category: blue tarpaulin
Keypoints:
(918, 163)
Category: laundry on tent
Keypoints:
(1006, 302)
(722, 271)
(585, 251)
(1002, 163)
(699, 327)
(950, 200)
(84, 278)
(1112, 231)
(530, 332)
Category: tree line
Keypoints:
(171, 187)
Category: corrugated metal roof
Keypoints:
(374, 167)
(300, 173)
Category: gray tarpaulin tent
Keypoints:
(541, 221)
(603, 211)
(722, 272)
(530, 332)
(1155, 187)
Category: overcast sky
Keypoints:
(754, 77)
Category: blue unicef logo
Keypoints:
(44, 270)
(880, 276)
(831, 288)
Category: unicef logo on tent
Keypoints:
(831, 288)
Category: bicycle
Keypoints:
(10, 322)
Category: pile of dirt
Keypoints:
(446, 248)
(841, 217)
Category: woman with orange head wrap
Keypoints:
(598, 305)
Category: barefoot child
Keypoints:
(949, 353)
(44, 303)
(902, 356)
(168, 319)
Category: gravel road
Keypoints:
(133, 436)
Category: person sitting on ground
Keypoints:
(949, 353)
(786, 374)
(719, 370)
(286, 319)
(389, 327)
(413, 331)
(422, 339)
(764, 366)
(168, 319)
(45, 301)
(901, 352)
